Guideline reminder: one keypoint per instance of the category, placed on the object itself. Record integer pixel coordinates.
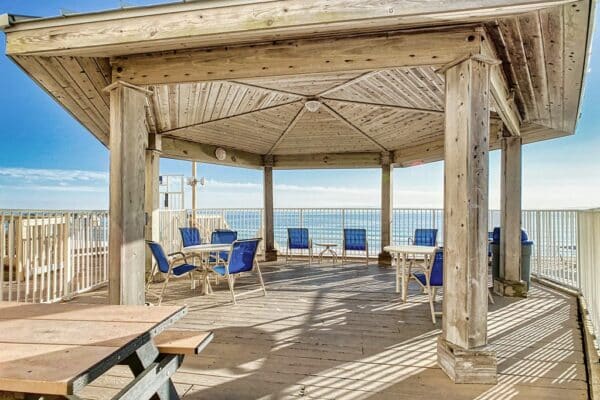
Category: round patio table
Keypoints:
(327, 248)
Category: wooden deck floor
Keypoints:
(341, 332)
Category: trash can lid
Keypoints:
(496, 235)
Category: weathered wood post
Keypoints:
(387, 191)
(509, 283)
(269, 239)
(152, 201)
(462, 352)
(128, 142)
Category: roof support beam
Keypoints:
(327, 160)
(199, 24)
(192, 151)
(293, 57)
(501, 93)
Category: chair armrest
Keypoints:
(174, 258)
(410, 240)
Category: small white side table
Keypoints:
(327, 248)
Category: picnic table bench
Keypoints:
(55, 350)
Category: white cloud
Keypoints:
(60, 175)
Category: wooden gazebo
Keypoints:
(323, 84)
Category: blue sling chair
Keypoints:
(424, 237)
(242, 258)
(298, 239)
(166, 264)
(432, 278)
(221, 236)
(355, 240)
(190, 237)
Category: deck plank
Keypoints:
(341, 332)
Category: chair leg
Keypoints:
(430, 293)
(231, 283)
(162, 291)
(490, 296)
(260, 279)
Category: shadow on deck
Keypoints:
(341, 332)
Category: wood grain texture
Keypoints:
(466, 203)
(333, 332)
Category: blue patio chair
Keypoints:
(221, 236)
(190, 237)
(166, 264)
(241, 259)
(298, 239)
(432, 278)
(355, 240)
(424, 237)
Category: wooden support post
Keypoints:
(509, 283)
(386, 207)
(152, 200)
(270, 252)
(462, 352)
(128, 142)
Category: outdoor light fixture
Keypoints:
(312, 105)
(220, 153)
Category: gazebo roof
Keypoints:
(310, 84)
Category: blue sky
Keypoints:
(48, 160)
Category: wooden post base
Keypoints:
(508, 288)
(270, 255)
(467, 366)
(384, 258)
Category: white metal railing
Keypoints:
(50, 255)
(588, 254)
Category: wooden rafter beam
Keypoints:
(503, 96)
(193, 151)
(197, 24)
(353, 127)
(368, 103)
(290, 126)
(355, 53)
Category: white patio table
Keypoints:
(203, 252)
(401, 254)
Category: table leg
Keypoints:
(404, 278)
(333, 256)
(397, 262)
(152, 373)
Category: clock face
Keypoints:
(220, 153)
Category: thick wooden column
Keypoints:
(269, 239)
(128, 142)
(386, 207)
(462, 350)
(509, 282)
(152, 199)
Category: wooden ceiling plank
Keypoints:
(96, 77)
(53, 65)
(173, 104)
(511, 34)
(47, 82)
(290, 57)
(79, 77)
(290, 126)
(175, 130)
(576, 16)
(531, 36)
(353, 127)
(551, 22)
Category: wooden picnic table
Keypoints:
(403, 253)
(57, 349)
